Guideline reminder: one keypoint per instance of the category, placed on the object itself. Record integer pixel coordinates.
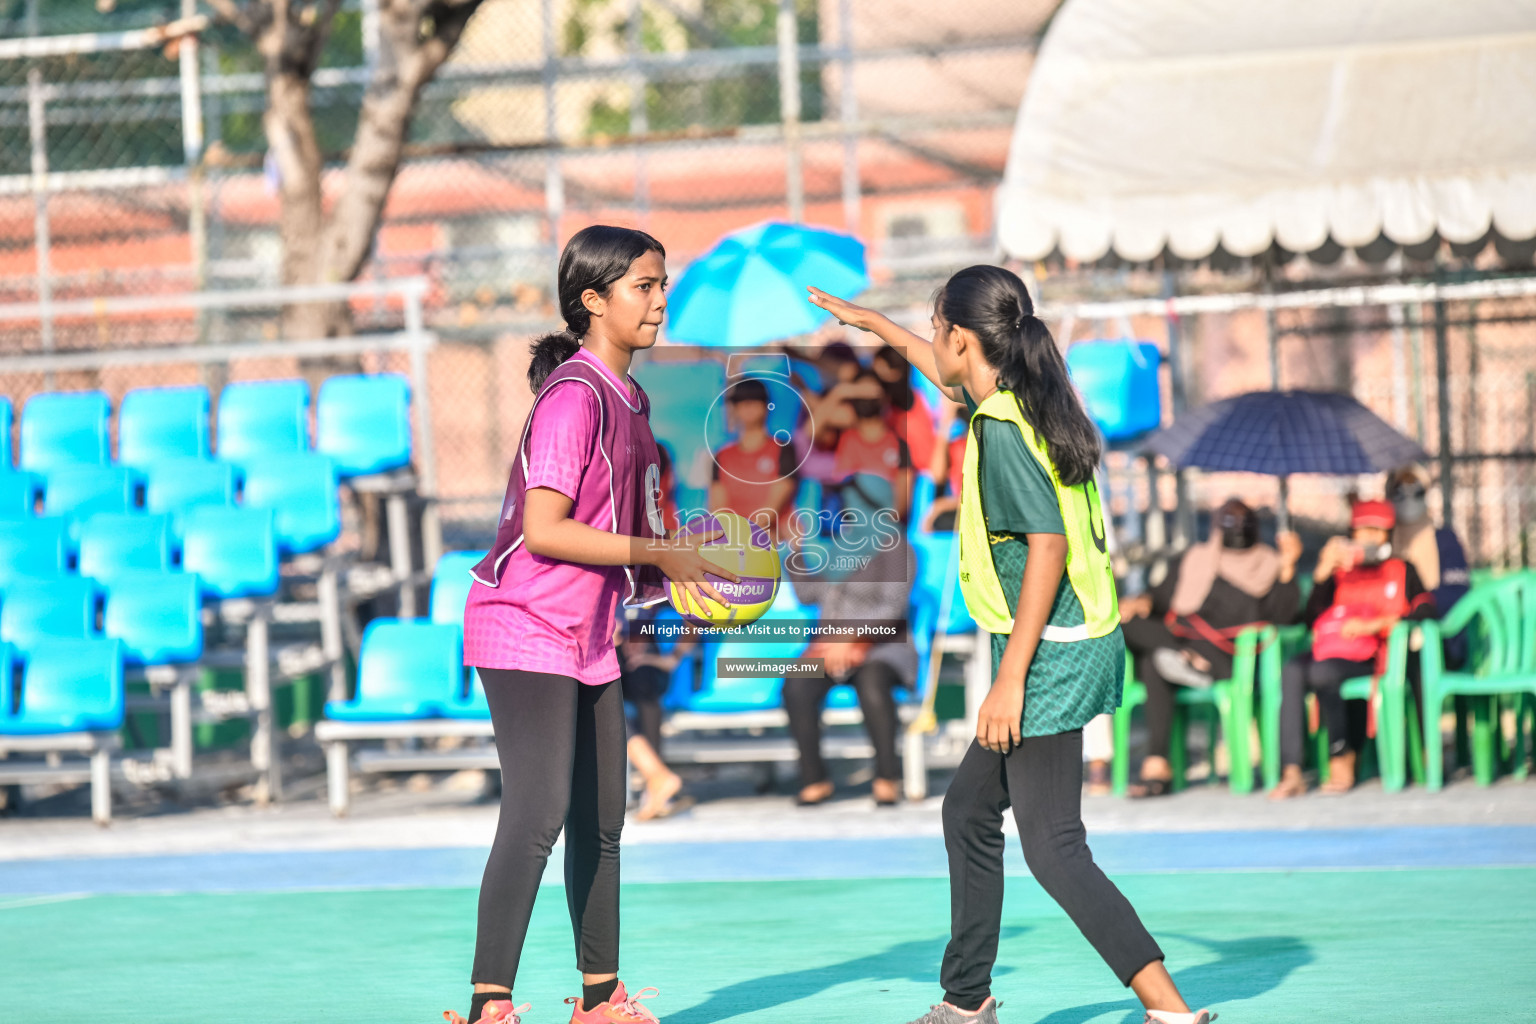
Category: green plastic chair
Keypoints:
(1226, 704)
(1390, 701)
(1501, 621)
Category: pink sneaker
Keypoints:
(497, 1011)
(621, 1008)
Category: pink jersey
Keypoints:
(589, 438)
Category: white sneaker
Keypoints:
(1169, 1017)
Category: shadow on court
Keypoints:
(917, 961)
(1243, 969)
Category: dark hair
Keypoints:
(994, 304)
(899, 391)
(595, 258)
(749, 390)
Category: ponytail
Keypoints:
(993, 304)
(548, 352)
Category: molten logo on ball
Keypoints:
(744, 549)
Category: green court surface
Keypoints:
(1345, 946)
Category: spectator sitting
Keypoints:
(871, 446)
(879, 589)
(1362, 591)
(907, 412)
(754, 476)
(1182, 631)
(1436, 554)
(644, 673)
(838, 362)
(946, 468)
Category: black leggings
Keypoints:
(1323, 678)
(803, 699)
(1043, 779)
(561, 746)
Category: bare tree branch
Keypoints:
(233, 13)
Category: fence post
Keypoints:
(848, 114)
(789, 107)
(192, 156)
(639, 116)
(554, 183)
(37, 125)
(1443, 414)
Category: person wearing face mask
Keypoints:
(1436, 553)
(1182, 632)
(1362, 590)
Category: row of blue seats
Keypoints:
(362, 424)
(414, 669)
(297, 490)
(230, 552)
(156, 616)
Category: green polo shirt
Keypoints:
(1068, 683)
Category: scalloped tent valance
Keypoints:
(1193, 124)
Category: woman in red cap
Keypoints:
(1362, 591)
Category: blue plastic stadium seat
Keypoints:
(5, 432)
(32, 548)
(725, 695)
(64, 429)
(174, 485)
(114, 544)
(363, 422)
(69, 686)
(79, 492)
(1118, 380)
(162, 423)
(473, 706)
(232, 551)
(269, 417)
(157, 616)
(18, 494)
(406, 670)
(450, 586)
(301, 492)
(62, 608)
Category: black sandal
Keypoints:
(1150, 787)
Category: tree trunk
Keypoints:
(417, 37)
(291, 135)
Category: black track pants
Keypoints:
(1043, 781)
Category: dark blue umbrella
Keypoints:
(1283, 432)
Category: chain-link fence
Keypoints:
(144, 169)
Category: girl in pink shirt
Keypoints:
(581, 531)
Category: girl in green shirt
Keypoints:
(1059, 659)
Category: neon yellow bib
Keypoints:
(1088, 564)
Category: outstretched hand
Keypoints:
(846, 312)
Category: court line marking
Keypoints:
(33, 901)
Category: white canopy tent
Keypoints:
(1193, 124)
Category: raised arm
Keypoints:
(919, 351)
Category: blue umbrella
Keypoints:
(1283, 432)
(750, 288)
